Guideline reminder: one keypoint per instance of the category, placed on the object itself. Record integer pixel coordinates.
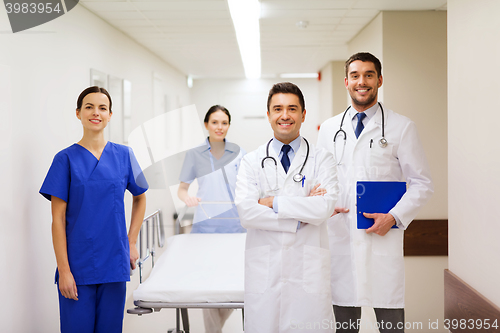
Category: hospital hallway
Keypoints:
(166, 62)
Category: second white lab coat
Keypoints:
(368, 269)
(287, 271)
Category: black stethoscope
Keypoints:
(296, 178)
(382, 142)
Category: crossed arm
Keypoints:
(315, 191)
(255, 212)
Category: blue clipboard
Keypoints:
(376, 197)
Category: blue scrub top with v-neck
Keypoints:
(96, 231)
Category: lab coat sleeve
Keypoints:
(314, 210)
(252, 214)
(416, 171)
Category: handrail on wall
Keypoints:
(152, 229)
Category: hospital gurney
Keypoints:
(195, 271)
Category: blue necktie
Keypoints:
(285, 161)
(360, 126)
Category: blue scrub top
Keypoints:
(216, 182)
(96, 231)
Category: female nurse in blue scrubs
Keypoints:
(86, 184)
(215, 165)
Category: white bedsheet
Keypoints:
(197, 268)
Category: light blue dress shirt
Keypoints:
(369, 115)
(276, 145)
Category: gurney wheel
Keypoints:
(139, 311)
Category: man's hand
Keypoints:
(383, 223)
(317, 191)
(268, 202)
(339, 210)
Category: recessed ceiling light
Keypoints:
(302, 24)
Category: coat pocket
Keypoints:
(316, 270)
(382, 162)
(339, 234)
(257, 269)
(391, 244)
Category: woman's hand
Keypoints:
(67, 285)
(182, 193)
(134, 256)
(191, 201)
(66, 282)
(138, 210)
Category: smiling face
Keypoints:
(94, 113)
(217, 126)
(362, 82)
(285, 116)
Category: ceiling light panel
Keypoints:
(245, 15)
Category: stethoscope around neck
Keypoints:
(296, 178)
(382, 142)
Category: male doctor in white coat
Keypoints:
(367, 265)
(287, 261)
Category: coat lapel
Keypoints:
(269, 164)
(375, 123)
(299, 158)
(347, 127)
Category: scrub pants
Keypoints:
(388, 319)
(214, 319)
(99, 309)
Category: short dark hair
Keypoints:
(216, 108)
(286, 88)
(364, 56)
(91, 90)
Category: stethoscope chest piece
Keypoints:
(298, 177)
(382, 143)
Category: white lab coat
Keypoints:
(368, 269)
(287, 271)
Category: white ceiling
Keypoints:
(197, 36)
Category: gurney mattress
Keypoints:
(197, 268)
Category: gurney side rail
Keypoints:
(188, 305)
(151, 229)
